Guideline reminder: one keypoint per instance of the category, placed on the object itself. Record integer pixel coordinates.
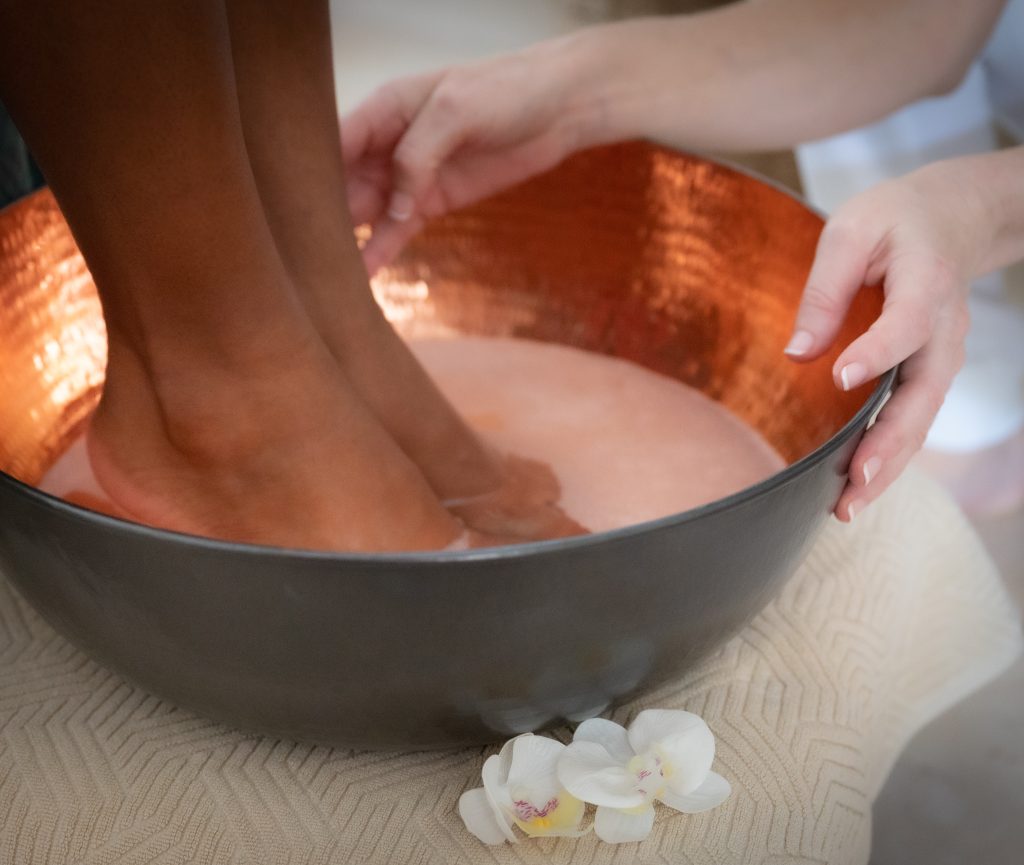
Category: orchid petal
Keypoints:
(496, 790)
(476, 812)
(608, 734)
(652, 726)
(495, 777)
(503, 761)
(533, 767)
(682, 739)
(590, 773)
(712, 793)
(617, 827)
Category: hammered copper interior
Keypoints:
(686, 266)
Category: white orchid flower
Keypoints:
(665, 755)
(521, 788)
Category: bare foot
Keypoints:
(505, 498)
(524, 508)
(223, 412)
(284, 455)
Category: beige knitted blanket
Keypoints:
(889, 622)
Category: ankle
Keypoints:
(209, 411)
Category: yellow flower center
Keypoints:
(559, 813)
(650, 770)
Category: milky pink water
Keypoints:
(627, 444)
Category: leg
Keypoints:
(282, 55)
(223, 413)
(284, 73)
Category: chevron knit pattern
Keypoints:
(888, 623)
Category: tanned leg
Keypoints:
(284, 73)
(223, 412)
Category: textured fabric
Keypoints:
(888, 623)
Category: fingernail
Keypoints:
(800, 343)
(871, 468)
(401, 207)
(852, 375)
(851, 512)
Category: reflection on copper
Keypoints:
(685, 266)
(53, 345)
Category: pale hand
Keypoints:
(427, 144)
(921, 238)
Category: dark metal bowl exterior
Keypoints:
(443, 649)
(411, 651)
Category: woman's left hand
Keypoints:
(922, 237)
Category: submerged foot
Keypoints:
(286, 455)
(524, 507)
(502, 498)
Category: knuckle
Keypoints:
(843, 229)
(818, 299)
(901, 433)
(855, 222)
(918, 327)
(935, 396)
(919, 437)
(890, 346)
(390, 97)
(448, 98)
(408, 158)
(910, 321)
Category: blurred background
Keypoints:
(957, 794)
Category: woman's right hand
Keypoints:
(427, 144)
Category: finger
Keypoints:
(387, 240)
(365, 202)
(436, 132)
(917, 289)
(367, 191)
(473, 178)
(376, 125)
(372, 129)
(369, 135)
(840, 263)
(902, 425)
(854, 500)
(475, 175)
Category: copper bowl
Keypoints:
(688, 267)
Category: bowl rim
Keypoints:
(528, 550)
(531, 549)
